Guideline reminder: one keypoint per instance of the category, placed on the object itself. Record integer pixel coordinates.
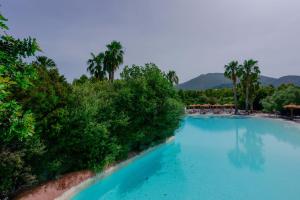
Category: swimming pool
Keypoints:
(213, 158)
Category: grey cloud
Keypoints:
(189, 36)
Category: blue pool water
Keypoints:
(213, 158)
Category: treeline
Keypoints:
(210, 96)
(265, 98)
(246, 88)
(283, 95)
(247, 92)
(50, 127)
(225, 96)
(246, 84)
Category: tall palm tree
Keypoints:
(231, 72)
(45, 62)
(113, 58)
(172, 77)
(254, 87)
(249, 74)
(96, 66)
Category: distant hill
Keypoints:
(217, 80)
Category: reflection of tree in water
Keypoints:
(248, 150)
(150, 166)
(133, 176)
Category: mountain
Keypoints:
(217, 80)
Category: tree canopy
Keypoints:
(249, 74)
(50, 127)
(232, 72)
(113, 58)
(284, 95)
(18, 142)
(172, 77)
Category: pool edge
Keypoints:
(86, 183)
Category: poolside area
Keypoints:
(228, 110)
(212, 157)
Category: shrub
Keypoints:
(286, 94)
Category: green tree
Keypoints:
(262, 93)
(18, 142)
(47, 99)
(249, 75)
(3, 21)
(283, 95)
(86, 137)
(231, 72)
(81, 80)
(49, 127)
(253, 90)
(96, 66)
(172, 77)
(152, 104)
(106, 121)
(211, 96)
(113, 58)
(45, 62)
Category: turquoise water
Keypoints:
(213, 158)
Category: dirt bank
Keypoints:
(53, 189)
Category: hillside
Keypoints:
(217, 80)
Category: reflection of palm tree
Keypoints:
(253, 150)
(250, 153)
(235, 154)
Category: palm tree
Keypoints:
(172, 77)
(113, 58)
(249, 73)
(254, 87)
(231, 72)
(96, 66)
(45, 62)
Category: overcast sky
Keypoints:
(191, 37)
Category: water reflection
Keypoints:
(212, 125)
(248, 150)
(287, 132)
(151, 165)
(282, 131)
(131, 177)
(248, 145)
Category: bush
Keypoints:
(285, 94)
(211, 96)
(105, 121)
(19, 145)
(49, 127)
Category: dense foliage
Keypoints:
(211, 96)
(18, 142)
(106, 121)
(49, 127)
(283, 95)
(225, 96)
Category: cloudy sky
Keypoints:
(191, 37)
